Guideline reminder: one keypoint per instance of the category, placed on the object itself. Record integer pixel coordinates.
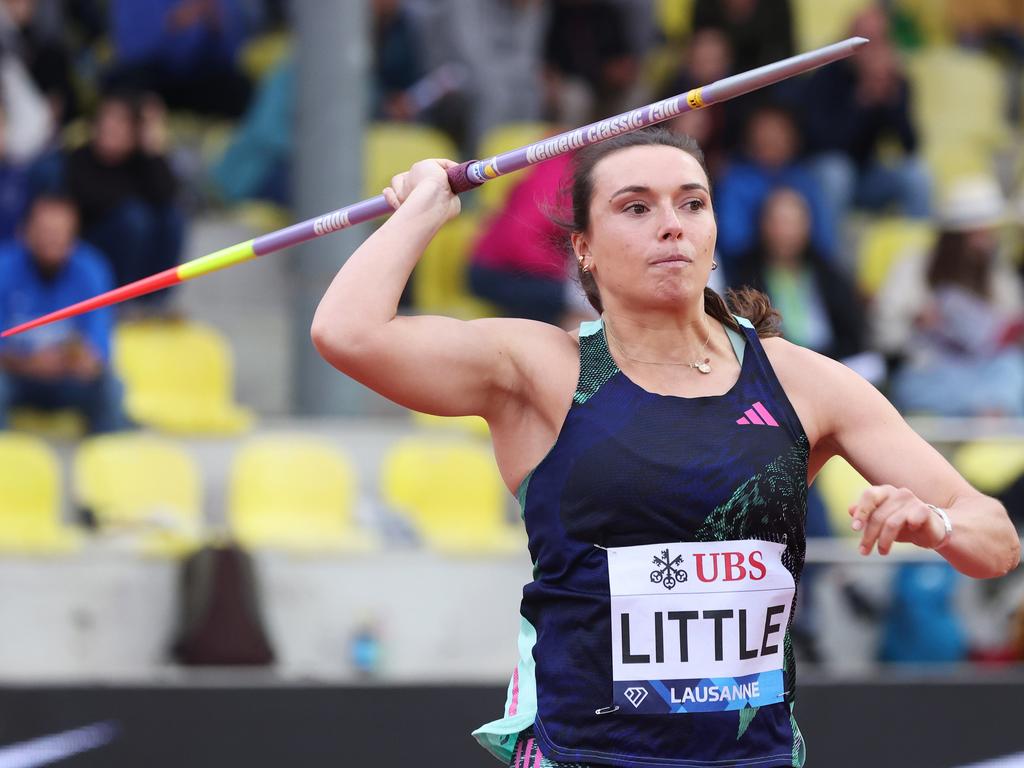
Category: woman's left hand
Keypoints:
(886, 514)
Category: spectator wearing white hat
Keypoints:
(954, 316)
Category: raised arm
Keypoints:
(433, 364)
(853, 420)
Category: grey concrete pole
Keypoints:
(332, 48)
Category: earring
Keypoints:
(584, 268)
(714, 265)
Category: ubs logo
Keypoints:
(667, 574)
(636, 695)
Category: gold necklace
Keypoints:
(702, 365)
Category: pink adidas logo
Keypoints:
(757, 414)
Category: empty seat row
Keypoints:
(290, 491)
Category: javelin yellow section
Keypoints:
(225, 257)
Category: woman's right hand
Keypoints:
(427, 180)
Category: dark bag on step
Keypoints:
(220, 617)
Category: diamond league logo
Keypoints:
(636, 695)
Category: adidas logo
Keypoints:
(757, 414)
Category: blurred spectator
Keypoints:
(498, 44)
(403, 89)
(1017, 633)
(44, 54)
(921, 624)
(398, 62)
(707, 58)
(997, 25)
(85, 20)
(987, 19)
(591, 68)
(125, 188)
(852, 109)
(772, 142)
(29, 119)
(517, 262)
(184, 50)
(759, 31)
(62, 365)
(256, 163)
(819, 306)
(956, 314)
(14, 186)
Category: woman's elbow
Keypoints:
(320, 333)
(1012, 557)
(331, 339)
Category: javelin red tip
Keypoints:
(141, 287)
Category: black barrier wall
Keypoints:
(921, 725)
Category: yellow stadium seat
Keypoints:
(261, 54)
(840, 485)
(990, 465)
(439, 285)
(503, 138)
(884, 243)
(260, 215)
(75, 134)
(53, 425)
(818, 23)
(452, 492)
(178, 377)
(294, 492)
(390, 148)
(473, 425)
(930, 17)
(674, 18)
(959, 101)
(142, 485)
(30, 498)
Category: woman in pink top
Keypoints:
(517, 263)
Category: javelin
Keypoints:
(465, 176)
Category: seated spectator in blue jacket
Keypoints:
(125, 189)
(185, 50)
(852, 109)
(65, 364)
(14, 186)
(770, 161)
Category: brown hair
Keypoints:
(951, 264)
(745, 302)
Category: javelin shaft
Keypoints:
(466, 176)
(479, 171)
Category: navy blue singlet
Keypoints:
(715, 488)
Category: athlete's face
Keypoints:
(652, 229)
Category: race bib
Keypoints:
(698, 626)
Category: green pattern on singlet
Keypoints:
(747, 515)
(596, 366)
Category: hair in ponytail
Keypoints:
(748, 303)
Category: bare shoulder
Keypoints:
(814, 385)
(543, 358)
(530, 338)
(793, 363)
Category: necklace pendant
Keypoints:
(704, 367)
